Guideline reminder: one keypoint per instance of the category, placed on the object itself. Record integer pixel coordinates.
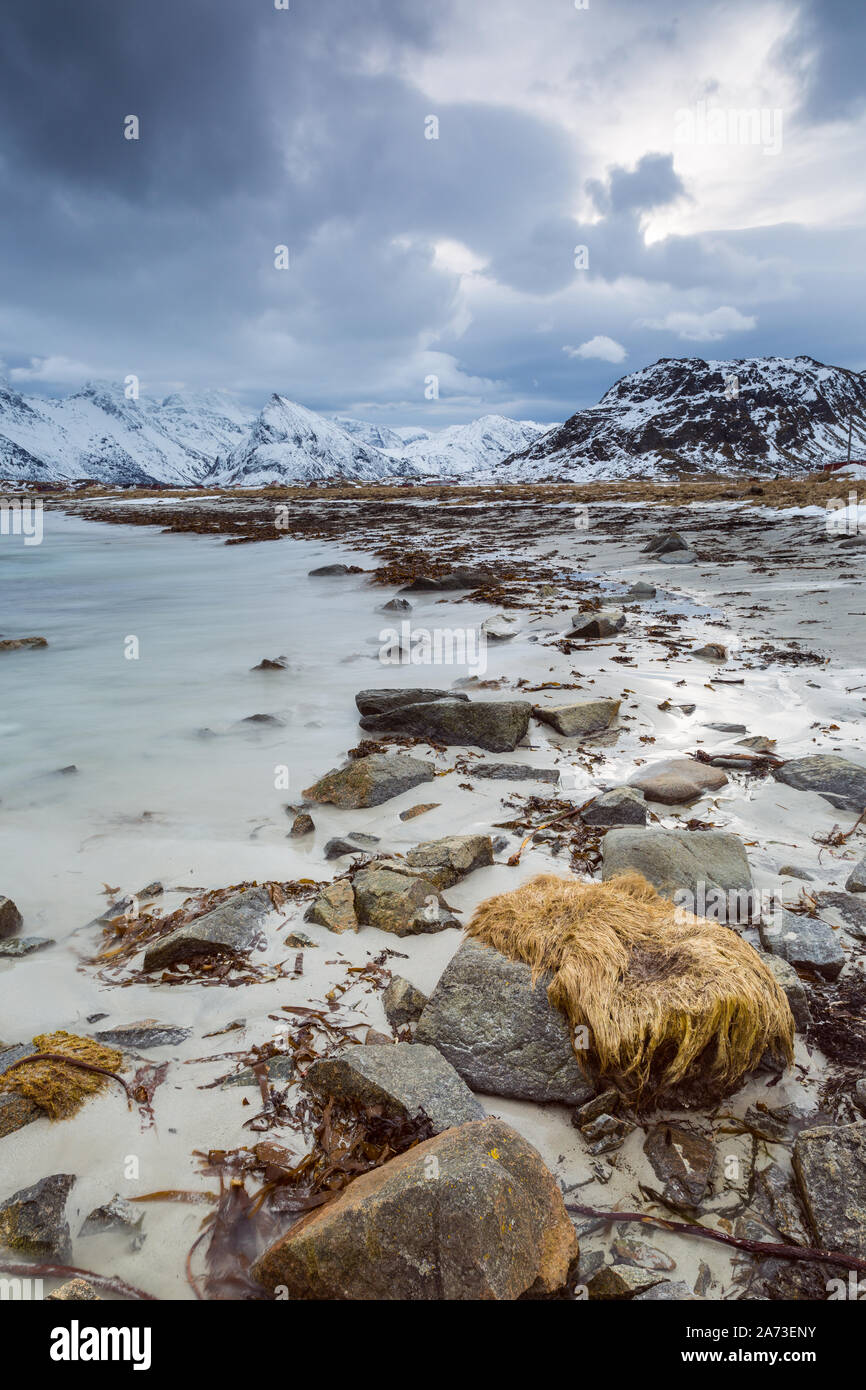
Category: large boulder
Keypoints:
(581, 717)
(33, 1221)
(334, 908)
(448, 860)
(380, 701)
(703, 871)
(402, 1078)
(400, 903)
(676, 781)
(806, 943)
(500, 1032)
(838, 780)
(497, 725)
(370, 781)
(228, 930)
(830, 1168)
(11, 920)
(472, 1214)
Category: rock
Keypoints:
(370, 781)
(324, 570)
(383, 701)
(448, 860)
(24, 946)
(582, 717)
(606, 1103)
(591, 626)
(33, 1221)
(641, 590)
(501, 1034)
(472, 1214)
(402, 1078)
(499, 628)
(682, 1159)
(671, 1290)
(620, 806)
(830, 1169)
(860, 1095)
(14, 644)
(74, 1291)
(856, 880)
(421, 809)
(664, 544)
(838, 780)
(757, 743)
(372, 1038)
(400, 903)
(278, 1068)
(228, 930)
(795, 871)
(704, 871)
(726, 728)
(365, 842)
(269, 720)
(116, 1215)
(497, 726)
(334, 908)
(675, 781)
(11, 920)
(711, 651)
(144, 1034)
(301, 941)
(16, 1112)
(806, 943)
(792, 987)
(278, 663)
(731, 1176)
(303, 824)
(463, 577)
(338, 847)
(605, 1133)
(636, 1252)
(620, 1281)
(402, 1002)
(777, 1200)
(515, 772)
(396, 605)
(851, 910)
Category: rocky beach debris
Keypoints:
(471, 1214)
(371, 780)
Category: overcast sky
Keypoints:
(607, 128)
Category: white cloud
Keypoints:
(606, 349)
(57, 371)
(704, 328)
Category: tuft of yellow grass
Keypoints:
(666, 997)
(58, 1089)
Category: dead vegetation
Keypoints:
(66, 1071)
(666, 997)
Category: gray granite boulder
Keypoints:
(620, 806)
(830, 1169)
(402, 1078)
(33, 1221)
(703, 871)
(381, 701)
(807, 943)
(579, 717)
(228, 930)
(370, 781)
(496, 725)
(677, 781)
(839, 780)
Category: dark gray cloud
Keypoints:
(306, 128)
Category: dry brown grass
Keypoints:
(60, 1090)
(667, 998)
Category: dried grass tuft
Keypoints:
(62, 1090)
(667, 997)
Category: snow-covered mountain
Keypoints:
(98, 433)
(473, 449)
(685, 415)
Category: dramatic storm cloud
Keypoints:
(514, 202)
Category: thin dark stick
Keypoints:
(754, 1247)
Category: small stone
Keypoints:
(620, 806)
(605, 1133)
(806, 943)
(419, 810)
(726, 728)
(682, 1159)
(14, 644)
(581, 717)
(497, 726)
(621, 1281)
(24, 946)
(675, 781)
(74, 1291)
(402, 1002)
(16, 1112)
(278, 663)
(711, 651)
(144, 1034)
(665, 544)
(300, 941)
(327, 570)
(396, 605)
(668, 1291)
(795, 871)
(371, 780)
(269, 720)
(856, 880)
(398, 902)
(337, 847)
(334, 908)
(33, 1221)
(118, 1214)
(303, 824)
(11, 920)
(515, 772)
(643, 1256)
(641, 590)
(591, 626)
(607, 1103)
